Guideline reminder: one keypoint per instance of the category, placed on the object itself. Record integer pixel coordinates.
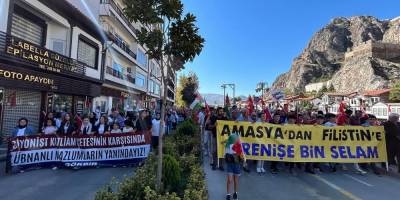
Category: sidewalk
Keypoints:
(3, 152)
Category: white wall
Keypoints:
(76, 31)
(90, 8)
(4, 5)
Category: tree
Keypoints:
(237, 99)
(322, 91)
(170, 37)
(187, 88)
(394, 94)
(331, 88)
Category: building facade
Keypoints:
(131, 80)
(50, 61)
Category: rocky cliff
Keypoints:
(324, 57)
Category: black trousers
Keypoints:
(393, 151)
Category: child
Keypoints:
(233, 156)
(50, 128)
(128, 127)
(116, 128)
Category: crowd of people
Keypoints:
(65, 124)
(92, 123)
(207, 119)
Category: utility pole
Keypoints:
(231, 85)
(223, 86)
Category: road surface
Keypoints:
(62, 184)
(342, 185)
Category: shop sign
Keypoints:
(125, 94)
(8, 74)
(45, 58)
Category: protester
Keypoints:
(22, 129)
(116, 118)
(260, 163)
(392, 130)
(291, 120)
(371, 120)
(86, 128)
(276, 119)
(67, 127)
(128, 128)
(213, 125)
(148, 118)
(116, 128)
(155, 130)
(102, 127)
(93, 118)
(208, 134)
(50, 128)
(58, 119)
(233, 155)
(141, 123)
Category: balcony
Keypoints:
(26, 53)
(120, 13)
(121, 45)
(119, 75)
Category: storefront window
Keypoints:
(62, 103)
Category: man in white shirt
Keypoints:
(155, 130)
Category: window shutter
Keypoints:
(26, 29)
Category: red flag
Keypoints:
(250, 105)
(237, 147)
(227, 102)
(207, 109)
(341, 117)
(267, 114)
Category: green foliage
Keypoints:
(105, 193)
(151, 194)
(171, 173)
(133, 187)
(187, 127)
(322, 91)
(182, 172)
(167, 31)
(394, 94)
(331, 88)
(187, 88)
(196, 188)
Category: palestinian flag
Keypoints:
(196, 104)
(233, 145)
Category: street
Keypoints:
(61, 184)
(343, 185)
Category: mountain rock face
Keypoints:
(324, 57)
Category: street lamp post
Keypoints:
(261, 87)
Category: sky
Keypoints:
(256, 40)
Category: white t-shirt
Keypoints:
(50, 130)
(116, 131)
(101, 129)
(127, 130)
(155, 130)
(21, 132)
